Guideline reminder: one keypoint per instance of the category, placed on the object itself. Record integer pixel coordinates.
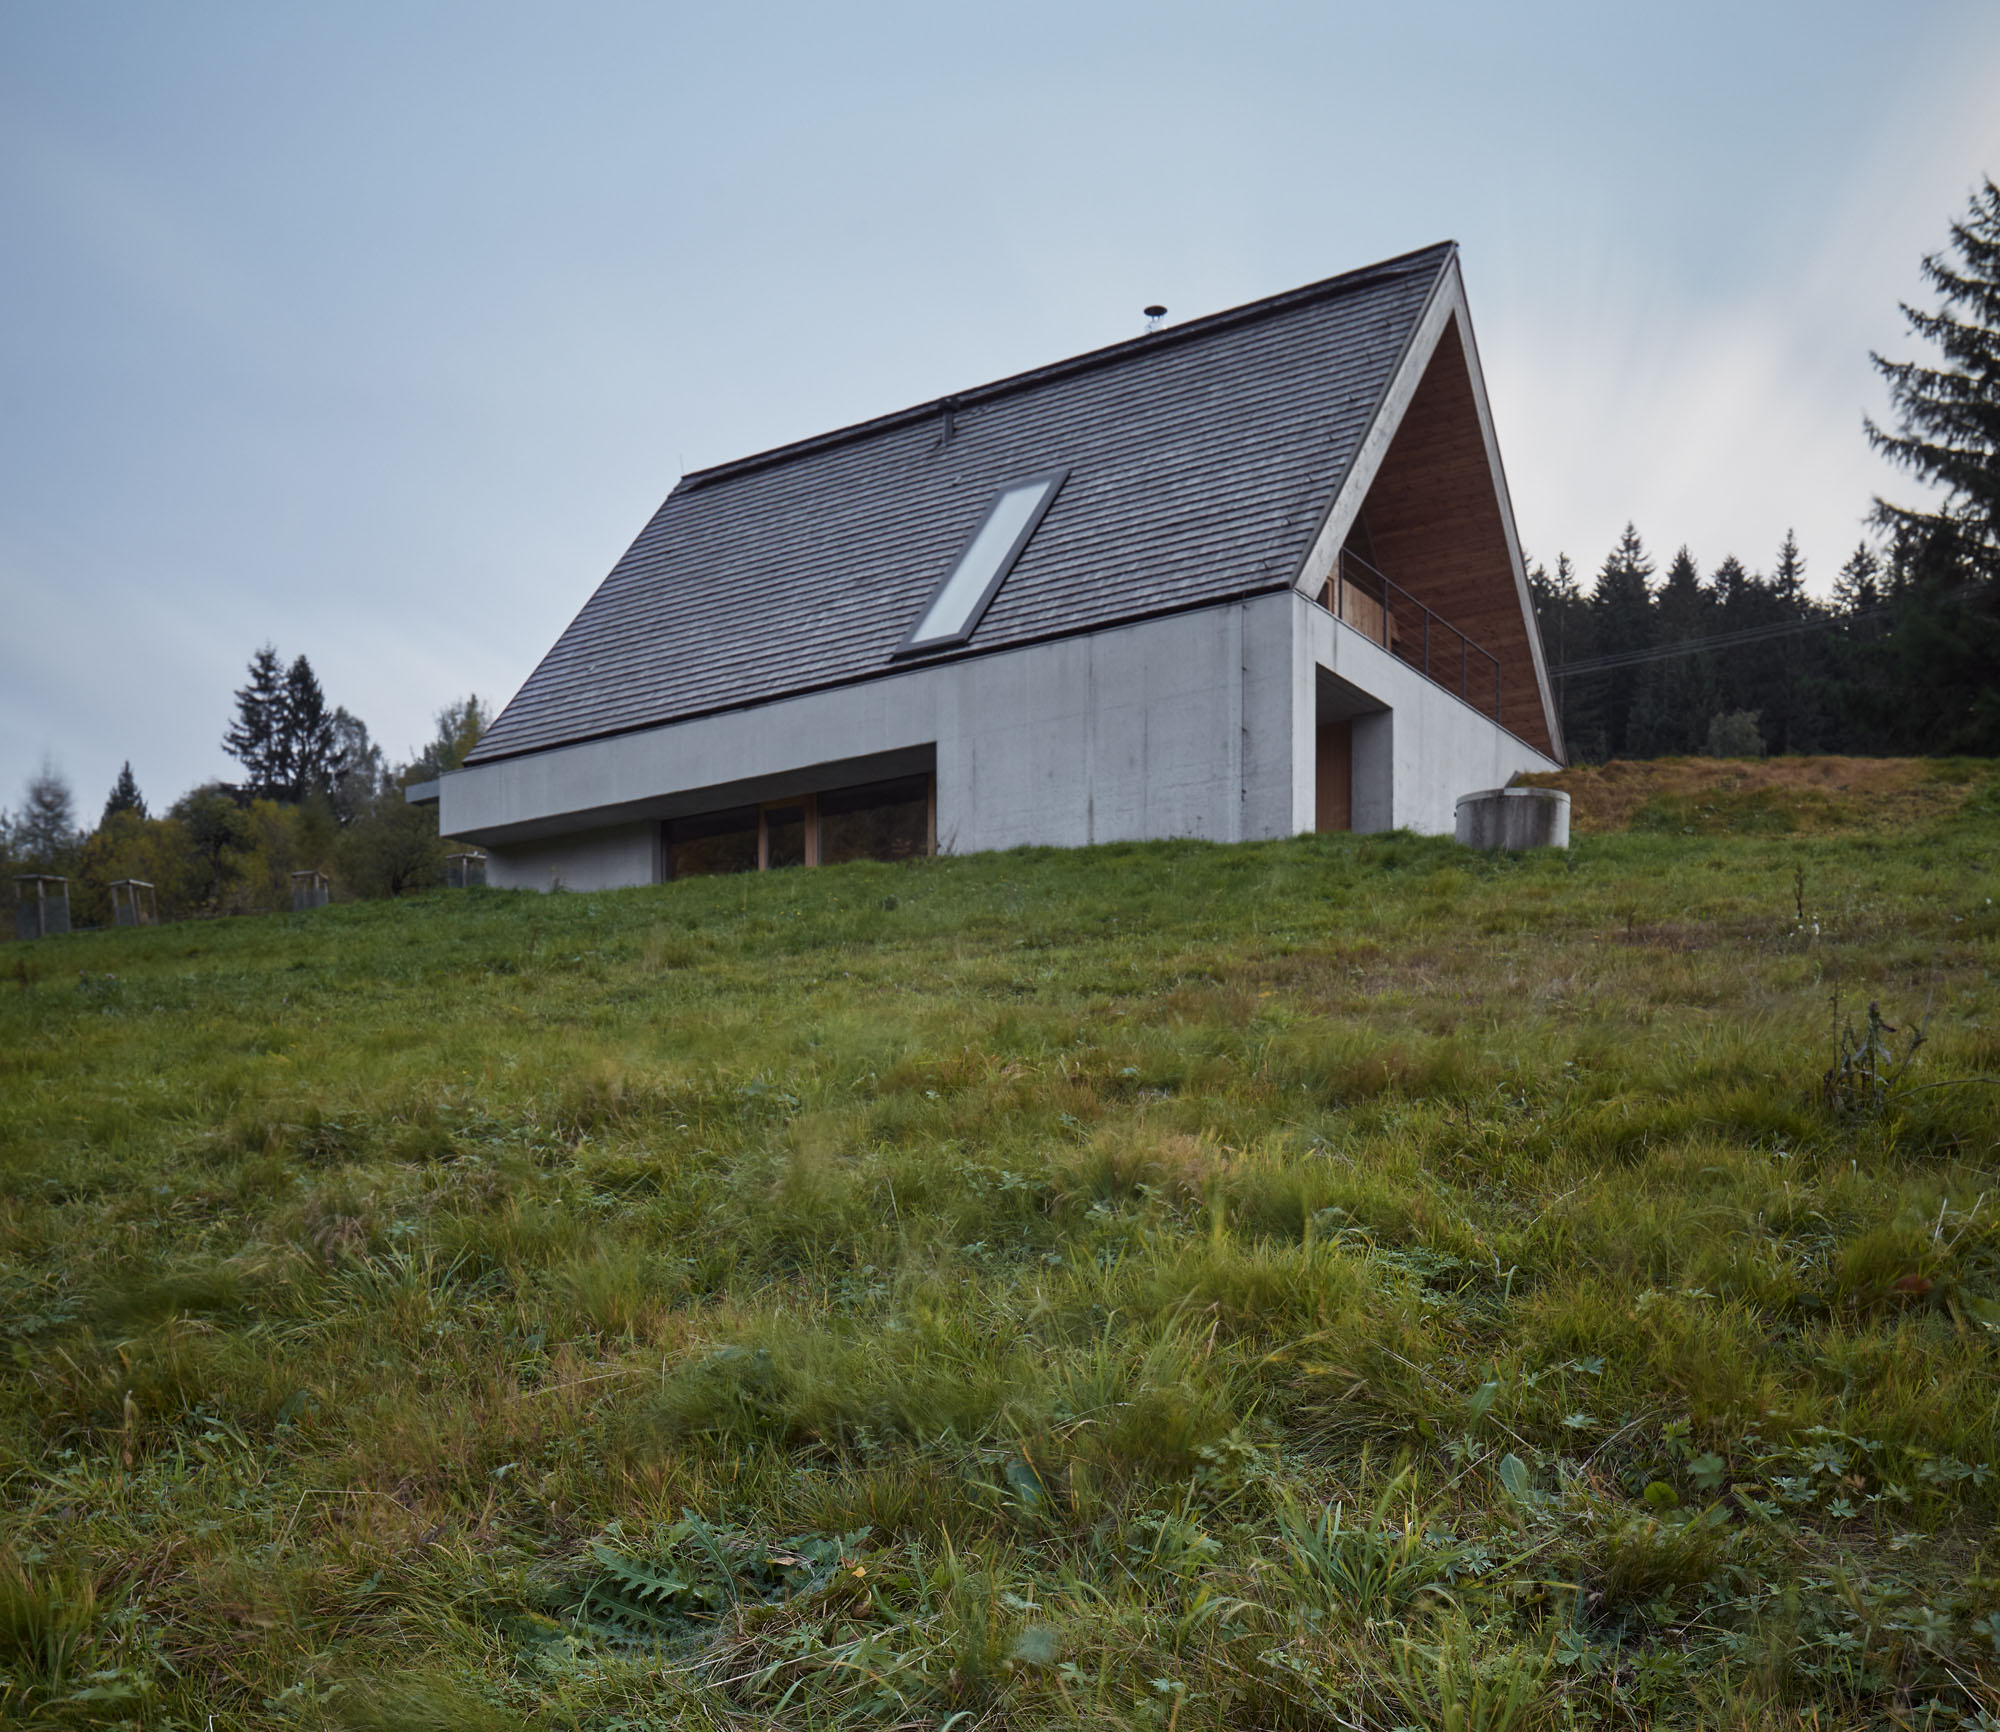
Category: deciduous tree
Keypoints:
(358, 767)
(459, 726)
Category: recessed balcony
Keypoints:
(1362, 598)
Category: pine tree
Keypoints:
(124, 797)
(44, 832)
(1862, 656)
(1563, 617)
(1792, 664)
(1731, 584)
(253, 738)
(1676, 695)
(1858, 588)
(1621, 608)
(1948, 416)
(1946, 639)
(305, 754)
(1745, 676)
(1682, 604)
(1788, 576)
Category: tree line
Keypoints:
(1904, 657)
(1734, 662)
(316, 793)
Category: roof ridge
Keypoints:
(1347, 282)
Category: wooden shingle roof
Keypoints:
(1202, 459)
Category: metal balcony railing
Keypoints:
(1361, 597)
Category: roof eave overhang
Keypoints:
(892, 668)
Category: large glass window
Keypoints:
(892, 820)
(711, 843)
(955, 609)
(883, 821)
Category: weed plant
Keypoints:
(1337, 1282)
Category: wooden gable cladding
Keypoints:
(1432, 522)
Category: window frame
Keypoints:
(807, 806)
(1051, 482)
(813, 818)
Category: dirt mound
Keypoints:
(1717, 796)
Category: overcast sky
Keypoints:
(378, 331)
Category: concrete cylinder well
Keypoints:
(1514, 818)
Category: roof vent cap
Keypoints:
(1154, 314)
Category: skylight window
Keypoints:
(955, 609)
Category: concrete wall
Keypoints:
(1179, 727)
(1173, 727)
(1201, 724)
(1415, 753)
(586, 860)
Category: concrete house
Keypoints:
(1241, 577)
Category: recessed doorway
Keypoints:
(1333, 776)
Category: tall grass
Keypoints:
(1341, 1281)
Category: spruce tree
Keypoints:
(1788, 576)
(253, 738)
(1563, 616)
(1744, 601)
(44, 831)
(124, 797)
(1621, 608)
(1858, 588)
(1676, 695)
(1946, 560)
(1948, 416)
(1862, 655)
(1791, 666)
(305, 753)
(1731, 584)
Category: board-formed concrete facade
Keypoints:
(1198, 718)
(1202, 724)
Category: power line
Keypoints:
(1717, 641)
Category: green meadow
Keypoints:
(1343, 1282)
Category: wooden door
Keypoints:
(1334, 776)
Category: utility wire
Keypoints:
(1719, 640)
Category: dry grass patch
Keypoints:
(1719, 796)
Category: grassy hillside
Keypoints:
(1732, 796)
(1336, 1282)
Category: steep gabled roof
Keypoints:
(1202, 460)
